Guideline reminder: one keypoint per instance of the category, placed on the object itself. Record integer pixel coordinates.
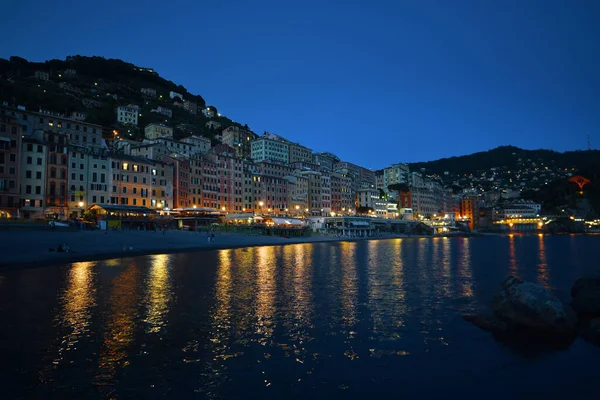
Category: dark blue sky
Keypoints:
(376, 82)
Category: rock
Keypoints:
(525, 306)
(485, 322)
(586, 296)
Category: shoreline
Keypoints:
(87, 246)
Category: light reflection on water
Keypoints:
(232, 322)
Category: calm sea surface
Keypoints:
(372, 319)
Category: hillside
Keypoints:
(105, 83)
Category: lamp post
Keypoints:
(260, 203)
(81, 207)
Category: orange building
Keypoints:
(469, 209)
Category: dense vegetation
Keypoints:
(110, 83)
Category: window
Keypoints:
(125, 190)
(73, 176)
(81, 177)
(28, 189)
(38, 175)
(28, 174)
(29, 160)
(29, 147)
(39, 161)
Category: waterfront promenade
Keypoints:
(32, 247)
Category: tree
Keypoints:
(364, 210)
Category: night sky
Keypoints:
(376, 82)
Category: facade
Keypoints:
(264, 149)
(195, 181)
(10, 166)
(239, 139)
(57, 197)
(155, 131)
(201, 143)
(175, 95)
(212, 125)
(273, 169)
(181, 148)
(469, 210)
(210, 183)
(343, 197)
(181, 181)
(88, 179)
(32, 181)
(367, 198)
(319, 192)
(325, 161)
(299, 153)
(78, 116)
(252, 188)
(148, 92)
(230, 173)
(152, 151)
(190, 107)
(209, 112)
(42, 75)
(128, 115)
(130, 179)
(163, 110)
(161, 192)
(298, 193)
(395, 174)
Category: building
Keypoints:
(78, 116)
(299, 153)
(319, 192)
(379, 179)
(152, 151)
(367, 198)
(325, 161)
(128, 115)
(210, 183)
(148, 92)
(265, 149)
(395, 174)
(212, 125)
(239, 139)
(469, 210)
(517, 209)
(161, 192)
(155, 131)
(130, 179)
(175, 95)
(181, 181)
(230, 174)
(252, 189)
(163, 110)
(190, 107)
(57, 168)
(88, 179)
(298, 187)
(181, 148)
(195, 181)
(70, 72)
(42, 75)
(209, 112)
(10, 166)
(343, 197)
(32, 182)
(201, 143)
(273, 169)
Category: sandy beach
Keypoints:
(30, 248)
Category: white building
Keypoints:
(32, 180)
(263, 149)
(148, 92)
(209, 112)
(163, 110)
(190, 107)
(299, 153)
(395, 174)
(367, 198)
(213, 125)
(177, 147)
(173, 95)
(128, 115)
(203, 144)
(43, 75)
(155, 131)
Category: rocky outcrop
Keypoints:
(486, 322)
(586, 296)
(529, 307)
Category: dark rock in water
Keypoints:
(525, 306)
(486, 322)
(586, 296)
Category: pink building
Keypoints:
(10, 151)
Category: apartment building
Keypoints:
(161, 192)
(32, 182)
(230, 174)
(181, 181)
(299, 153)
(57, 169)
(130, 179)
(201, 143)
(265, 149)
(10, 165)
(325, 161)
(343, 197)
(128, 115)
(239, 139)
(88, 179)
(298, 187)
(155, 131)
(210, 183)
(395, 174)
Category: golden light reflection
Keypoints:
(465, 269)
(512, 256)
(120, 324)
(349, 289)
(77, 303)
(266, 291)
(542, 270)
(159, 293)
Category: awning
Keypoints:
(360, 223)
(286, 221)
(232, 217)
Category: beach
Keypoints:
(30, 248)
